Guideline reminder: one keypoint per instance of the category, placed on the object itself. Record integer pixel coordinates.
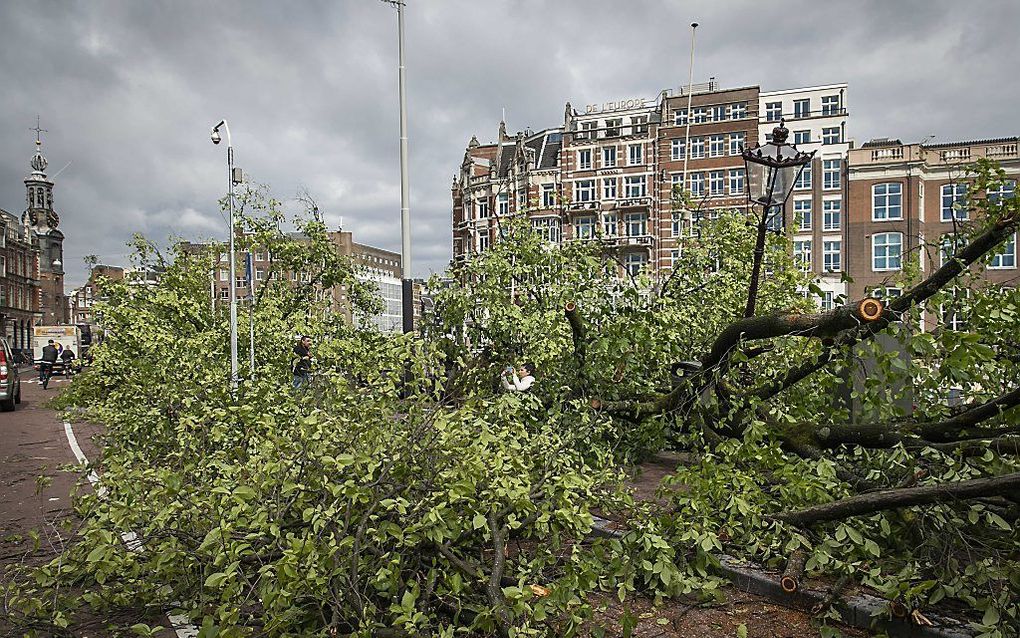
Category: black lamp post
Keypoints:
(772, 169)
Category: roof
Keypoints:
(881, 141)
(994, 140)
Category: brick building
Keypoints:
(19, 281)
(906, 201)
(378, 266)
(81, 300)
(609, 173)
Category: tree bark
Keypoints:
(984, 243)
(896, 498)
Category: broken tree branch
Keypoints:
(896, 498)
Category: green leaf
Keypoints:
(478, 521)
(742, 631)
(214, 580)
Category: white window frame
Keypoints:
(697, 148)
(700, 191)
(798, 111)
(799, 211)
(736, 181)
(584, 161)
(803, 182)
(610, 187)
(483, 208)
(830, 105)
(956, 193)
(831, 177)
(736, 142)
(832, 254)
(802, 137)
(584, 190)
(831, 135)
(636, 224)
(827, 214)
(584, 227)
(634, 263)
(773, 111)
(717, 183)
(635, 186)
(608, 157)
(802, 253)
(610, 223)
(635, 154)
(677, 148)
(875, 208)
(1006, 254)
(548, 195)
(548, 228)
(717, 146)
(503, 204)
(887, 245)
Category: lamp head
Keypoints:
(215, 136)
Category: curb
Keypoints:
(863, 611)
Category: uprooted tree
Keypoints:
(403, 494)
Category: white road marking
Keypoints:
(181, 624)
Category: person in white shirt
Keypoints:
(521, 380)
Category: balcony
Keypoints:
(1002, 150)
(955, 155)
(624, 241)
(583, 206)
(886, 154)
(634, 202)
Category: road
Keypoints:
(34, 488)
(38, 474)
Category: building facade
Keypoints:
(81, 300)
(19, 281)
(815, 215)
(380, 267)
(611, 172)
(908, 202)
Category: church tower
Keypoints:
(42, 221)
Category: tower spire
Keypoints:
(38, 131)
(38, 162)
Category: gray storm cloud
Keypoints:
(128, 91)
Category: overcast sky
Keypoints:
(128, 91)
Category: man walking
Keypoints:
(302, 361)
(49, 357)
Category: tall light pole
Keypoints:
(407, 285)
(690, 95)
(215, 136)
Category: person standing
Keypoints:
(67, 358)
(302, 367)
(49, 357)
(520, 380)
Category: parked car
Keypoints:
(10, 379)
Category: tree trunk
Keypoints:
(891, 499)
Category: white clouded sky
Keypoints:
(129, 90)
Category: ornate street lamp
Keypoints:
(772, 169)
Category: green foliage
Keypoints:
(403, 489)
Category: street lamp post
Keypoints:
(406, 284)
(215, 136)
(771, 171)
